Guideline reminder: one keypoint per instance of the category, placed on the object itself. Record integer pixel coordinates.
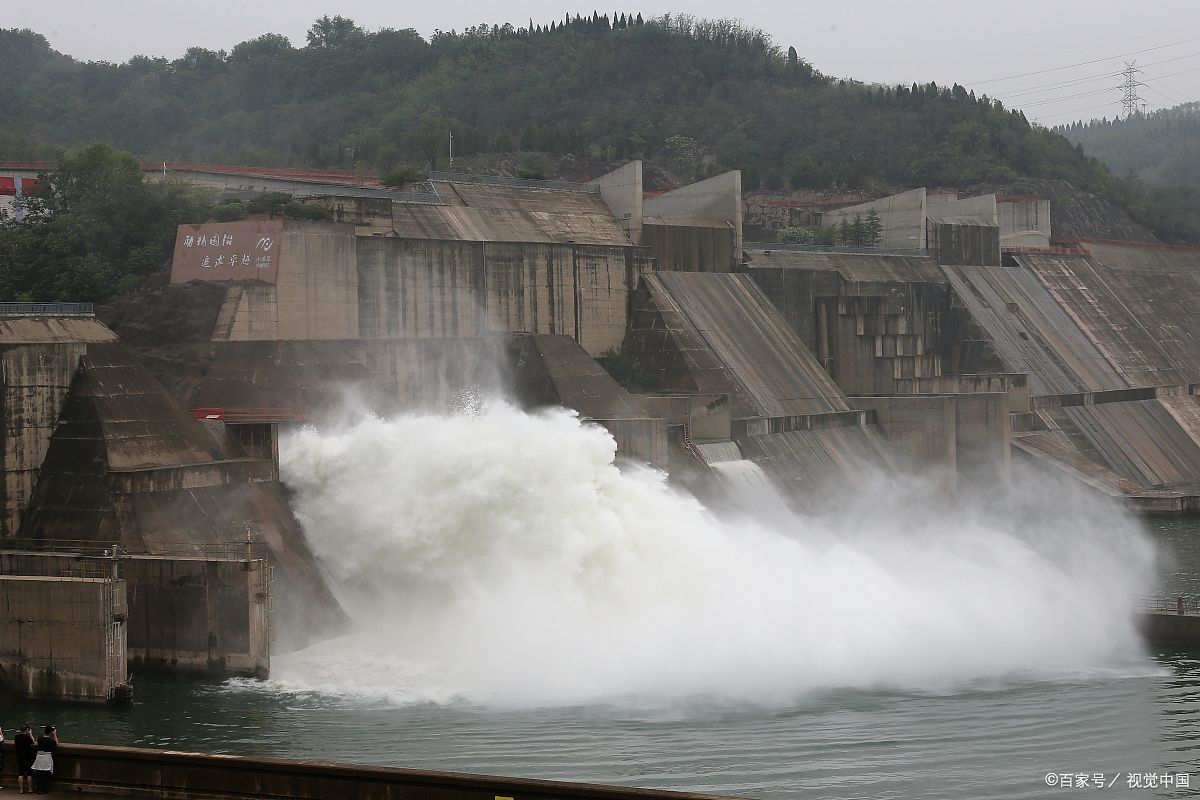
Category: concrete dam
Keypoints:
(142, 458)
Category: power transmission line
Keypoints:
(1086, 79)
(1066, 97)
(1065, 84)
(1085, 63)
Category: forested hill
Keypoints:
(1161, 148)
(700, 96)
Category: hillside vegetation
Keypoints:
(1158, 155)
(1161, 148)
(674, 88)
(696, 96)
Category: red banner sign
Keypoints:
(228, 251)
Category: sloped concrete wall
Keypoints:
(36, 380)
(716, 199)
(1024, 222)
(622, 191)
(981, 208)
(38, 359)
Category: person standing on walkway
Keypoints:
(26, 752)
(43, 764)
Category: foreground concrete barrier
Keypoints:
(1166, 628)
(136, 772)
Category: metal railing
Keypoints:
(836, 248)
(430, 197)
(1170, 604)
(527, 183)
(47, 310)
(235, 550)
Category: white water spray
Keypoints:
(501, 557)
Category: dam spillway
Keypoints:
(436, 418)
(824, 369)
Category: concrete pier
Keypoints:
(90, 770)
(1177, 626)
(63, 637)
(185, 614)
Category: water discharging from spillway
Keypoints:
(500, 557)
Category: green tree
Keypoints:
(844, 232)
(433, 134)
(872, 228)
(334, 32)
(856, 234)
(584, 86)
(95, 228)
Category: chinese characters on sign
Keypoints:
(235, 251)
(262, 254)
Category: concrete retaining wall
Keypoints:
(691, 248)
(643, 441)
(318, 282)
(1015, 384)
(135, 772)
(1182, 630)
(411, 288)
(902, 215)
(714, 200)
(185, 615)
(964, 243)
(983, 435)
(1024, 222)
(61, 638)
(922, 431)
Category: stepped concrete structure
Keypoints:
(398, 302)
(127, 466)
(874, 322)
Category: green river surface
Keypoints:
(999, 740)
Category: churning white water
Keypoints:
(500, 557)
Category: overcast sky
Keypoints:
(1021, 51)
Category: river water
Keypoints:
(973, 654)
